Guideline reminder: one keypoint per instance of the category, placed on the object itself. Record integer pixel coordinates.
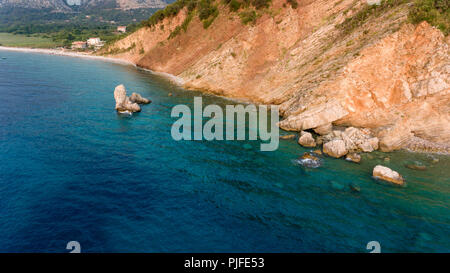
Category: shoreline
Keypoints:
(61, 52)
(415, 146)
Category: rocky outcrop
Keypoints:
(386, 174)
(353, 157)
(123, 102)
(399, 87)
(416, 166)
(354, 139)
(335, 148)
(286, 137)
(135, 97)
(306, 140)
(309, 160)
(369, 145)
(324, 129)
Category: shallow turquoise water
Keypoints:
(72, 169)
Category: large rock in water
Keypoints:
(386, 174)
(354, 157)
(120, 94)
(135, 97)
(306, 140)
(335, 148)
(123, 103)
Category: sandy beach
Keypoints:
(61, 52)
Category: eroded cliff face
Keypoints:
(398, 87)
(385, 75)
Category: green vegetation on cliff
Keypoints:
(207, 11)
(435, 12)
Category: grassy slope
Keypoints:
(12, 40)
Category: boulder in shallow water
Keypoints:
(123, 103)
(355, 187)
(386, 174)
(337, 186)
(353, 157)
(135, 97)
(120, 94)
(416, 166)
(287, 136)
(309, 160)
(306, 140)
(335, 148)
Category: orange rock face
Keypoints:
(386, 75)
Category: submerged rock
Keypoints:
(123, 103)
(318, 152)
(287, 137)
(306, 140)
(309, 160)
(416, 166)
(354, 157)
(354, 187)
(386, 174)
(337, 186)
(335, 148)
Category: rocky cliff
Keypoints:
(339, 62)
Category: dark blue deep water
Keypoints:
(72, 169)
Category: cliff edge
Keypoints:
(339, 62)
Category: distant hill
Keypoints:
(70, 5)
(31, 16)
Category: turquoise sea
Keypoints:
(72, 169)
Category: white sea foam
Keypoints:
(126, 112)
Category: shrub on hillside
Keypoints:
(248, 17)
(362, 16)
(435, 12)
(235, 5)
(205, 9)
(293, 3)
(259, 4)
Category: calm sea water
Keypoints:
(72, 169)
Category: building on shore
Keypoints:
(122, 29)
(79, 45)
(96, 43)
